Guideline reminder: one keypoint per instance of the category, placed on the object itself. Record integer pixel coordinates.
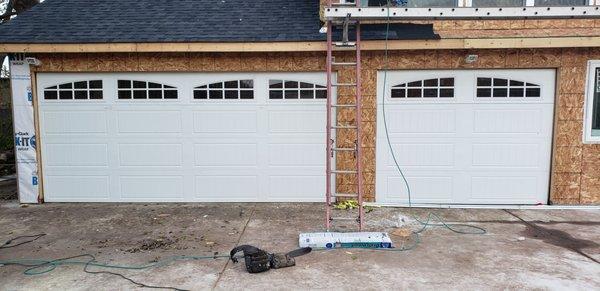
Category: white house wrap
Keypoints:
(25, 144)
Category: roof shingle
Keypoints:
(100, 21)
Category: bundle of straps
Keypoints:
(258, 260)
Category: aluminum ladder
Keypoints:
(333, 108)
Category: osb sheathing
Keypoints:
(575, 166)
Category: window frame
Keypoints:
(206, 87)
(593, 66)
(88, 89)
(406, 87)
(315, 89)
(163, 87)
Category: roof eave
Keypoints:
(305, 46)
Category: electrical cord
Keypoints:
(7, 244)
(442, 223)
(40, 266)
(386, 63)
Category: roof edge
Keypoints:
(311, 46)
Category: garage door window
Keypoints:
(560, 2)
(430, 88)
(235, 89)
(592, 101)
(289, 89)
(130, 89)
(499, 87)
(80, 90)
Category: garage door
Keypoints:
(183, 137)
(466, 137)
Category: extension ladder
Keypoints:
(334, 128)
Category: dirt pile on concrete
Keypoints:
(161, 243)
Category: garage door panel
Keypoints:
(151, 188)
(500, 188)
(430, 188)
(76, 188)
(223, 155)
(476, 142)
(294, 155)
(306, 188)
(150, 155)
(76, 155)
(305, 121)
(84, 122)
(423, 155)
(513, 121)
(226, 188)
(225, 122)
(149, 122)
(414, 119)
(506, 155)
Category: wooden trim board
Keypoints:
(476, 43)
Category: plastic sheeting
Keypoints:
(25, 140)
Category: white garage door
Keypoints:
(466, 137)
(183, 137)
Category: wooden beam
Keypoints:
(475, 43)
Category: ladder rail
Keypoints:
(329, 108)
(358, 110)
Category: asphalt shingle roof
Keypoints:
(100, 21)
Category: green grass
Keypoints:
(6, 130)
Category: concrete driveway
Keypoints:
(523, 249)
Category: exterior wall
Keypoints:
(576, 167)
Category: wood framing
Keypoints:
(474, 43)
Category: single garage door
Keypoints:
(183, 137)
(466, 137)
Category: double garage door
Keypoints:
(183, 137)
(463, 137)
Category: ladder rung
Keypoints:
(344, 84)
(344, 195)
(344, 172)
(344, 127)
(343, 4)
(343, 64)
(344, 44)
(344, 149)
(343, 105)
(343, 218)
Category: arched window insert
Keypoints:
(129, 89)
(235, 89)
(287, 89)
(80, 90)
(430, 88)
(498, 87)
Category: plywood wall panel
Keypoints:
(572, 79)
(201, 62)
(570, 113)
(76, 62)
(570, 100)
(569, 133)
(568, 159)
(106, 62)
(539, 58)
(50, 63)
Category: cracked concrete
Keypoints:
(523, 249)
